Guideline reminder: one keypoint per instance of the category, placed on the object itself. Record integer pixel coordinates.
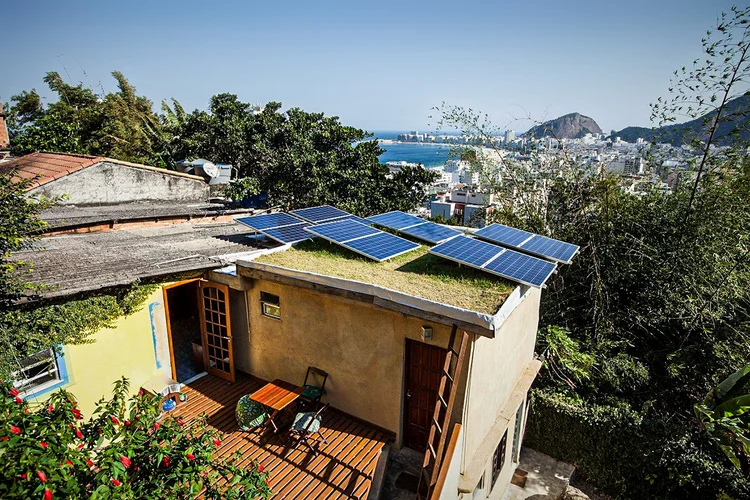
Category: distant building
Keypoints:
(4, 139)
(510, 136)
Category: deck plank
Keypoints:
(343, 468)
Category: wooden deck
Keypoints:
(343, 469)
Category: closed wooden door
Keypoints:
(424, 365)
(216, 330)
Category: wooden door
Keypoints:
(424, 364)
(216, 330)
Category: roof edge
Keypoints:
(149, 167)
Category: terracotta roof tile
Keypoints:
(45, 167)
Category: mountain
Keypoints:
(681, 133)
(570, 126)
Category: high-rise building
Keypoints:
(510, 136)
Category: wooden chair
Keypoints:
(313, 392)
(306, 425)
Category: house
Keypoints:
(233, 311)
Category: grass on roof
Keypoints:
(416, 273)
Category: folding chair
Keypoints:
(313, 391)
(306, 425)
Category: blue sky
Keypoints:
(379, 66)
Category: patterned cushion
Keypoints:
(301, 420)
(249, 413)
(312, 392)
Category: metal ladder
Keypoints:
(433, 455)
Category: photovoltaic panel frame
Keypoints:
(496, 260)
(268, 221)
(319, 214)
(363, 239)
(415, 227)
(293, 233)
(535, 244)
(396, 220)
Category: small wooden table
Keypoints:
(277, 396)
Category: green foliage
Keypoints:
(126, 450)
(563, 356)
(33, 327)
(725, 414)
(19, 222)
(240, 189)
(627, 454)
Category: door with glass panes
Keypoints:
(216, 330)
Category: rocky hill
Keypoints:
(570, 126)
(737, 110)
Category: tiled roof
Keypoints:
(51, 166)
(48, 166)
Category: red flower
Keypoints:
(24, 476)
(166, 461)
(14, 392)
(140, 393)
(114, 420)
(42, 476)
(127, 422)
(47, 494)
(116, 482)
(77, 413)
(4, 438)
(50, 408)
(190, 456)
(68, 462)
(79, 434)
(89, 462)
(19, 400)
(80, 446)
(261, 468)
(15, 430)
(217, 442)
(43, 444)
(125, 461)
(180, 421)
(156, 426)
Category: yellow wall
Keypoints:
(359, 345)
(125, 350)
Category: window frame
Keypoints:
(270, 301)
(499, 454)
(56, 355)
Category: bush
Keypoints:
(627, 454)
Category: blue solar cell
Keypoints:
(289, 234)
(354, 218)
(396, 220)
(431, 232)
(466, 250)
(342, 230)
(548, 247)
(381, 246)
(319, 214)
(503, 234)
(535, 244)
(522, 268)
(267, 221)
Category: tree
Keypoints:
(725, 414)
(126, 450)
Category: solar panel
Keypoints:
(466, 251)
(521, 267)
(381, 246)
(396, 220)
(535, 244)
(340, 231)
(496, 260)
(267, 221)
(363, 239)
(431, 232)
(289, 234)
(319, 214)
(354, 218)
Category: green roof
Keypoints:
(416, 273)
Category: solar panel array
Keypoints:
(534, 244)
(363, 239)
(496, 260)
(319, 214)
(414, 226)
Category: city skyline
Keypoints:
(380, 67)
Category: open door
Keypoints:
(216, 330)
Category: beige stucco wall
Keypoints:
(359, 345)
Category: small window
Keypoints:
(479, 489)
(518, 429)
(37, 372)
(498, 459)
(269, 305)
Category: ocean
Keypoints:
(429, 155)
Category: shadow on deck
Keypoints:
(343, 468)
